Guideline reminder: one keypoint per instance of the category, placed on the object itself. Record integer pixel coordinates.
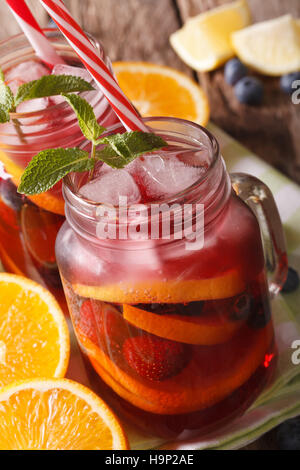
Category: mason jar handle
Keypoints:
(260, 199)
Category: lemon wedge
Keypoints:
(204, 42)
(271, 47)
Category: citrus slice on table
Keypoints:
(156, 90)
(204, 42)
(211, 375)
(171, 291)
(204, 329)
(34, 337)
(51, 201)
(271, 47)
(56, 414)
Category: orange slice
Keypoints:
(204, 329)
(212, 374)
(40, 230)
(172, 291)
(57, 414)
(47, 201)
(156, 90)
(34, 337)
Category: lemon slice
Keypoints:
(271, 47)
(204, 43)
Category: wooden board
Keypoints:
(271, 130)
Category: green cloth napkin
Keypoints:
(281, 400)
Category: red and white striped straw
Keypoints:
(89, 56)
(42, 46)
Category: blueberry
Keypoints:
(292, 282)
(242, 307)
(234, 71)
(288, 435)
(286, 82)
(249, 90)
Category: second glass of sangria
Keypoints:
(29, 226)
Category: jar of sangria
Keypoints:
(28, 226)
(168, 293)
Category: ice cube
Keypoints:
(61, 69)
(36, 122)
(32, 106)
(27, 71)
(14, 84)
(166, 176)
(108, 187)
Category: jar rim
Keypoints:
(70, 192)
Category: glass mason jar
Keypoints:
(177, 337)
(28, 226)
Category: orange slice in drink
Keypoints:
(211, 375)
(57, 414)
(157, 90)
(172, 291)
(48, 201)
(40, 229)
(205, 329)
(34, 337)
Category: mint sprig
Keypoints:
(117, 150)
(48, 167)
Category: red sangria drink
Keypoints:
(28, 226)
(175, 325)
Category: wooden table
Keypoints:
(140, 30)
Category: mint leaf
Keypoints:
(123, 148)
(50, 166)
(7, 102)
(2, 77)
(109, 156)
(4, 115)
(51, 85)
(86, 117)
(6, 97)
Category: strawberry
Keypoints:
(154, 358)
